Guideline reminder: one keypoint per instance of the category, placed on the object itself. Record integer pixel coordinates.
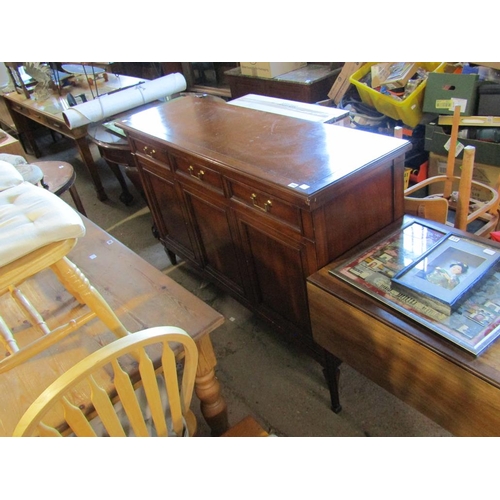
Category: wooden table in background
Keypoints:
(308, 84)
(459, 391)
(49, 114)
(142, 297)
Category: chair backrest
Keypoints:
(466, 209)
(428, 208)
(16, 76)
(98, 397)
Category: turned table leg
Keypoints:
(88, 160)
(207, 388)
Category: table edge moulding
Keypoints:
(257, 201)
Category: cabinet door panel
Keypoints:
(278, 269)
(166, 208)
(211, 224)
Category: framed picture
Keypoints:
(446, 274)
(473, 326)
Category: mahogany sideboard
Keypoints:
(257, 201)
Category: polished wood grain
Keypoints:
(141, 296)
(459, 391)
(258, 201)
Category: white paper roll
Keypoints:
(117, 102)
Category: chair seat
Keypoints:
(32, 217)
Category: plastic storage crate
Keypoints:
(409, 110)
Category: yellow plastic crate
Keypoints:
(409, 110)
(407, 178)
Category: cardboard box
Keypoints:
(444, 91)
(487, 174)
(487, 153)
(10, 145)
(493, 65)
(342, 82)
(489, 100)
(392, 75)
(269, 69)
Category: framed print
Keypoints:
(446, 274)
(473, 325)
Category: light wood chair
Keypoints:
(97, 398)
(153, 405)
(467, 210)
(38, 229)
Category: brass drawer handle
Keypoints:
(267, 205)
(199, 175)
(149, 151)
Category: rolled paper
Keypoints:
(111, 104)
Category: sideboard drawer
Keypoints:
(151, 150)
(267, 203)
(191, 169)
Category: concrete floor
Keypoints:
(260, 373)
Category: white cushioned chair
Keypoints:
(37, 230)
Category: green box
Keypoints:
(435, 139)
(444, 91)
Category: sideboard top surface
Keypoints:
(289, 152)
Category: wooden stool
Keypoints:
(248, 427)
(59, 177)
(115, 150)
